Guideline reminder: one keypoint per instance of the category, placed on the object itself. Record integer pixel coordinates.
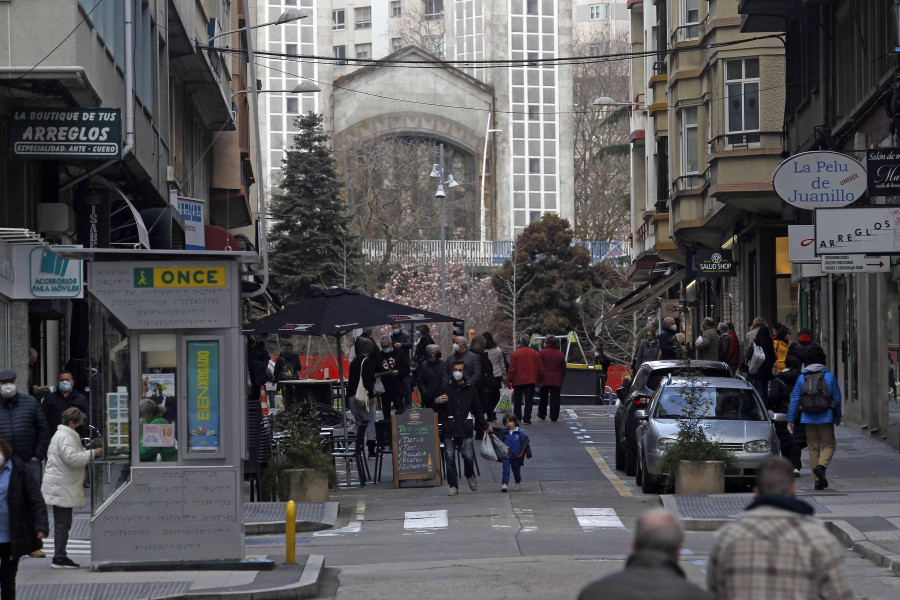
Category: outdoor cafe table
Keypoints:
(308, 391)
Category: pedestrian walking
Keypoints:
(499, 366)
(734, 349)
(64, 396)
(781, 343)
(23, 517)
(706, 346)
(816, 402)
(554, 373)
(647, 350)
(456, 405)
(651, 571)
(754, 329)
(518, 446)
(402, 343)
(362, 401)
(471, 360)
(423, 340)
(779, 401)
(668, 349)
(430, 376)
(488, 384)
(761, 372)
(802, 345)
(777, 548)
(392, 365)
(526, 370)
(62, 485)
(257, 363)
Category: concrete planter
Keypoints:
(307, 485)
(700, 477)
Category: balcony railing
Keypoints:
(473, 253)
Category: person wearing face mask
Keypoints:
(471, 360)
(423, 335)
(393, 366)
(459, 416)
(668, 349)
(401, 341)
(64, 396)
(23, 424)
(647, 350)
(23, 517)
(430, 375)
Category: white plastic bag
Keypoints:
(487, 448)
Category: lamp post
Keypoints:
(288, 16)
(438, 171)
(482, 209)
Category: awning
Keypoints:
(639, 299)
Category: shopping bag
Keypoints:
(500, 447)
(505, 404)
(488, 449)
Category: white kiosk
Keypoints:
(165, 336)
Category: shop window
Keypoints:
(158, 410)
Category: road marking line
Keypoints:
(571, 413)
(593, 518)
(607, 472)
(498, 518)
(526, 518)
(426, 519)
(351, 527)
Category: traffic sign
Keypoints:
(855, 263)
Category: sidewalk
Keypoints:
(259, 577)
(861, 505)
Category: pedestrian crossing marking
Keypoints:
(596, 518)
(426, 519)
(607, 472)
(526, 519)
(500, 520)
(351, 527)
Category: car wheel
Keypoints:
(620, 453)
(630, 459)
(650, 483)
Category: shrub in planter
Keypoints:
(298, 447)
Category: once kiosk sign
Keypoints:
(715, 263)
(811, 180)
(865, 230)
(179, 277)
(82, 133)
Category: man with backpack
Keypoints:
(816, 402)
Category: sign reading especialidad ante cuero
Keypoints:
(66, 133)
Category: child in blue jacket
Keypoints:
(517, 443)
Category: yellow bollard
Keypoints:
(290, 535)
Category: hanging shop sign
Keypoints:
(715, 263)
(67, 133)
(883, 167)
(811, 180)
(802, 244)
(192, 211)
(93, 210)
(864, 230)
(47, 275)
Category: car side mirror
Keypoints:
(778, 417)
(640, 414)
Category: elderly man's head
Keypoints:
(658, 531)
(431, 351)
(386, 342)
(776, 478)
(462, 342)
(709, 323)
(668, 323)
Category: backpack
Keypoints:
(815, 399)
(757, 358)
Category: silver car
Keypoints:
(734, 415)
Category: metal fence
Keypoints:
(472, 253)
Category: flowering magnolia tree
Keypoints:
(469, 298)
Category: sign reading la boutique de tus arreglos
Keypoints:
(883, 167)
(61, 133)
(715, 263)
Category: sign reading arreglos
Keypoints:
(883, 166)
(865, 230)
(715, 263)
(811, 180)
(82, 133)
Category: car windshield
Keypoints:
(731, 404)
(656, 377)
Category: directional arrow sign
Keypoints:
(855, 263)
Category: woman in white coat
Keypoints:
(62, 486)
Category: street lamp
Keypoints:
(303, 87)
(482, 208)
(607, 101)
(450, 182)
(288, 16)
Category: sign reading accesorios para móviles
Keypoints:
(83, 133)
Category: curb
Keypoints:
(854, 539)
(327, 522)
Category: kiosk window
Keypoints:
(158, 410)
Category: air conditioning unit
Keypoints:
(170, 174)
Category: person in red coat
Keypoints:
(526, 370)
(554, 372)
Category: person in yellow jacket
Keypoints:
(781, 342)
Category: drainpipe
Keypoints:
(129, 101)
(262, 241)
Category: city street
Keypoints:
(571, 523)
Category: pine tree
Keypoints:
(309, 238)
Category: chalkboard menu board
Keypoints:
(416, 446)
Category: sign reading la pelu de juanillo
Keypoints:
(60, 133)
(715, 263)
(820, 179)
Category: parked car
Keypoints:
(734, 415)
(644, 384)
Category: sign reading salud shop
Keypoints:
(66, 133)
(715, 263)
(883, 166)
(811, 180)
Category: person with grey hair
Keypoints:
(526, 370)
(392, 365)
(777, 548)
(707, 345)
(668, 349)
(430, 375)
(651, 570)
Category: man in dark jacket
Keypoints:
(454, 405)
(402, 342)
(779, 401)
(668, 349)
(65, 396)
(257, 361)
(393, 365)
(287, 368)
(25, 517)
(430, 375)
(471, 360)
(802, 345)
(652, 570)
(23, 424)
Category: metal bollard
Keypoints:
(290, 535)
